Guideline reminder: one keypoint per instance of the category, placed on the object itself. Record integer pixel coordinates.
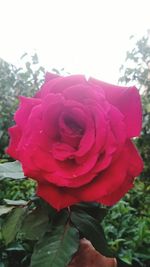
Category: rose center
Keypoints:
(73, 125)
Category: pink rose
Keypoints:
(73, 138)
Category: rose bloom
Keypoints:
(73, 138)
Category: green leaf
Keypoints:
(92, 208)
(15, 247)
(35, 224)
(12, 224)
(11, 170)
(91, 230)
(5, 209)
(57, 248)
(15, 202)
(142, 255)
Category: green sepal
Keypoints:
(92, 208)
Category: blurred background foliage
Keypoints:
(127, 224)
(136, 71)
(15, 82)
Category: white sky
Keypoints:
(83, 36)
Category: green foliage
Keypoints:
(14, 82)
(135, 209)
(127, 226)
(16, 189)
(136, 71)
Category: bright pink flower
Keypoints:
(73, 138)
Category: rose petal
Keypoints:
(88, 138)
(34, 124)
(35, 146)
(101, 127)
(115, 196)
(134, 169)
(118, 126)
(38, 164)
(52, 106)
(80, 92)
(57, 85)
(130, 105)
(68, 170)
(57, 197)
(66, 82)
(108, 152)
(15, 135)
(134, 158)
(127, 100)
(105, 190)
(128, 165)
(62, 151)
(71, 134)
(24, 110)
(49, 76)
(135, 166)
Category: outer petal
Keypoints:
(107, 189)
(57, 85)
(130, 105)
(135, 168)
(135, 161)
(52, 106)
(82, 92)
(15, 135)
(34, 143)
(66, 82)
(59, 198)
(25, 108)
(128, 165)
(127, 100)
(115, 196)
(48, 77)
(74, 175)
(36, 162)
